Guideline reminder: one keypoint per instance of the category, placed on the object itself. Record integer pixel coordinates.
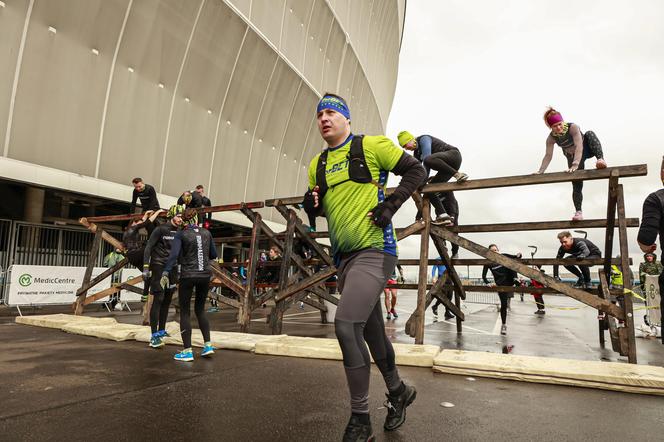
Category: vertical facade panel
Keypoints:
(294, 32)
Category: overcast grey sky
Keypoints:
(479, 75)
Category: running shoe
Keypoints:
(448, 316)
(184, 356)
(442, 219)
(578, 216)
(600, 164)
(461, 177)
(396, 407)
(389, 316)
(356, 431)
(503, 329)
(540, 312)
(208, 350)
(434, 309)
(394, 313)
(155, 341)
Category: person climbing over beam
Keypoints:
(192, 248)
(144, 193)
(502, 276)
(577, 148)
(435, 154)
(579, 248)
(346, 183)
(155, 256)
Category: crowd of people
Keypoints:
(347, 186)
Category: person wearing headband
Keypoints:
(435, 154)
(359, 217)
(576, 146)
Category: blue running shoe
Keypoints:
(208, 350)
(163, 334)
(184, 356)
(155, 341)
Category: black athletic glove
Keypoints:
(309, 201)
(382, 214)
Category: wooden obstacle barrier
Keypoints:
(304, 280)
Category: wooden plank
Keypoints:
(513, 289)
(456, 309)
(306, 283)
(200, 210)
(93, 254)
(111, 290)
(447, 262)
(228, 281)
(627, 282)
(579, 295)
(544, 178)
(527, 261)
(413, 322)
(610, 215)
(103, 275)
(538, 225)
(244, 315)
(276, 319)
(423, 271)
(413, 229)
(105, 235)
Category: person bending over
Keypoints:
(578, 248)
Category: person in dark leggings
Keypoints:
(193, 248)
(155, 256)
(502, 276)
(135, 246)
(435, 154)
(576, 146)
(359, 218)
(451, 206)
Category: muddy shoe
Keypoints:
(396, 407)
(442, 220)
(357, 431)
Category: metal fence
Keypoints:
(47, 245)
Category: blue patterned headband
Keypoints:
(334, 103)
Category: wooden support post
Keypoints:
(92, 259)
(244, 314)
(105, 235)
(278, 310)
(627, 281)
(610, 218)
(609, 322)
(422, 279)
(99, 278)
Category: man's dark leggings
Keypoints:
(591, 148)
(161, 299)
(135, 258)
(359, 319)
(187, 287)
(581, 272)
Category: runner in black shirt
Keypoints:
(190, 199)
(155, 256)
(502, 276)
(135, 246)
(205, 200)
(578, 248)
(146, 194)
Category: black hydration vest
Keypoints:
(194, 257)
(358, 171)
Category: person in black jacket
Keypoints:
(190, 199)
(135, 246)
(502, 276)
(579, 248)
(205, 201)
(652, 225)
(146, 194)
(193, 248)
(155, 256)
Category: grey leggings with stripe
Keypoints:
(359, 319)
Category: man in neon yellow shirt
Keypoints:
(346, 184)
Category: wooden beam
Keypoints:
(105, 235)
(276, 319)
(103, 275)
(304, 234)
(225, 299)
(518, 289)
(579, 295)
(413, 229)
(111, 290)
(244, 315)
(413, 322)
(306, 282)
(451, 306)
(538, 225)
(544, 178)
(447, 261)
(610, 215)
(200, 210)
(527, 261)
(228, 281)
(93, 254)
(627, 281)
